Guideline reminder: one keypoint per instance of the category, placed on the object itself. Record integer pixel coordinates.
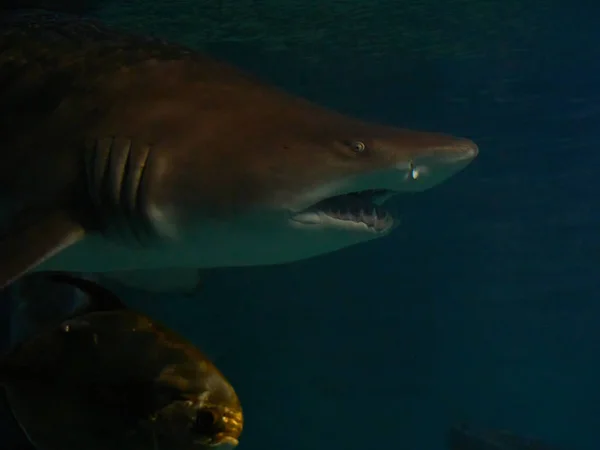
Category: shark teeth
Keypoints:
(356, 211)
(345, 221)
(375, 218)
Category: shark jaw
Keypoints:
(356, 211)
(356, 204)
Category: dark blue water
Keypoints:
(483, 307)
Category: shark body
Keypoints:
(122, 152)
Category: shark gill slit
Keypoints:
(116, 170)
(120, 153)
(95, 171)
(138, 181)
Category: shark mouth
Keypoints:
(355, 211)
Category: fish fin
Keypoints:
(27, 246)
(99, 298)
(181, 281)
(37, 302)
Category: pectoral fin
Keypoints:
(27, 245)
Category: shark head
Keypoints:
(294, 182)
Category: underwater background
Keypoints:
(482, 308)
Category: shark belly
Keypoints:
(225, 248)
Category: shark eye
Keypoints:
(358, 146)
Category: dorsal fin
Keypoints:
(100, 298)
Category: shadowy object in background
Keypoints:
(464, 438)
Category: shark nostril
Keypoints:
(413, 171)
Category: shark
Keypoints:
(122, 152)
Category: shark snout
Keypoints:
(462, 150)
(433, 165)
